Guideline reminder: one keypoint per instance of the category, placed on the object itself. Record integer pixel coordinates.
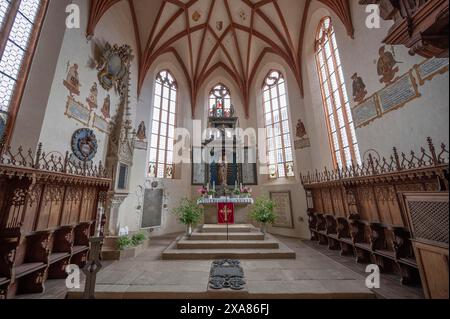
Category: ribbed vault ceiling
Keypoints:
(232, 35)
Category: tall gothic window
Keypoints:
(279, 145)
(163, 127)
(220, 102)
(20, 23)
(342, 135)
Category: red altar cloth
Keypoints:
(225, 213)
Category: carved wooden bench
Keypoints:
(80, 249)
(31, 269)
(61, 254)
(332, 232)
(9, 241)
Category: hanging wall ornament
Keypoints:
(92, 98)
(106, 109)
(72, 81)
(84, 144)
(112, 63)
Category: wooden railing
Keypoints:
(48, 211)
(359, 210)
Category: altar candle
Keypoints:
(214, 186)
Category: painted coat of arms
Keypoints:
(112, 63)
(84, 144)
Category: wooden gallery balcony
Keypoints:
(48, 212)
(360, 210)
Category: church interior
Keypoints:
(224, 149)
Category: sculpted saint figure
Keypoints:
(223, 172)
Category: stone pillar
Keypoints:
(112, 212)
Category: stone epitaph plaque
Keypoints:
(227, 274)
(283, 209)
(366, 112)
(153, 204)
(77, 111)
(431, 67)
(399, 93)
(101, 124)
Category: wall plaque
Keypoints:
(249, 167)
(283, 208)
(153, 205)
(399, 93)
(101, 124)
(366, 112)
(428, 69)
(77, 111)
(198, 167)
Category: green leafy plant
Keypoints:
(138, 239)
(264, 211)
(124, 242)
(188, 213)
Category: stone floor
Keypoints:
(311, 275)
(390, 285)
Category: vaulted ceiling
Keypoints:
(231, 35)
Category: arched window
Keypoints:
(276, 115)
(341, 129)
(20, 23)
(163, 127)
(220, 102)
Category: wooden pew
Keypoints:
(361, 207)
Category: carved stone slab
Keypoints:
(227, 274)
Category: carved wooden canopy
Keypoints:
(420, 25)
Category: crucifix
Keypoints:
(225, 212)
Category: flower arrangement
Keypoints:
(246, 191)
(203, 191)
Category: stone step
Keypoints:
(239, 228)
(174, 253)
(223, 236)
(186, 243)
(212, 254)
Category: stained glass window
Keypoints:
(163, 127)
(338, 113)
(276, 115)
(220, 102)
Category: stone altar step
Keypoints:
(186, 243)
(223, 236)
(173, 253)
(238, 228)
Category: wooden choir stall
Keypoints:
(361, 211)
(48, 212)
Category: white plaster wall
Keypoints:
(115, 27)
(175, 189)
(406, 128)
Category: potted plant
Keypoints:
(189, 214)
(264, 213)
(237, 193)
